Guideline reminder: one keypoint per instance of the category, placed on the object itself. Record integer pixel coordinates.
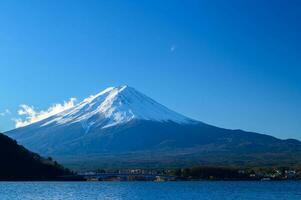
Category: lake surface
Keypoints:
(150, 190)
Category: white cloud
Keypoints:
(32, 115)
(6, 112)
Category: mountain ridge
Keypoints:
(17, 163)
(122, 125)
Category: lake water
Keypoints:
(150, 190)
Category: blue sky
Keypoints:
(233, 64)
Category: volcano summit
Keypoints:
(121, 127)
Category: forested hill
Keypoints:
(17, 163)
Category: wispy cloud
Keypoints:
(4, 113)
(31, 115)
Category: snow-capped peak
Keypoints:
(114, 106)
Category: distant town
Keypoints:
(193, 174)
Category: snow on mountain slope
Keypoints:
(115, 106)
(121, 127)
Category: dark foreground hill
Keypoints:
(17, 163)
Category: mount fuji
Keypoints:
(121, 127)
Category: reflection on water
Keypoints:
(150, 190)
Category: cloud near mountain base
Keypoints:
(31, 115)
